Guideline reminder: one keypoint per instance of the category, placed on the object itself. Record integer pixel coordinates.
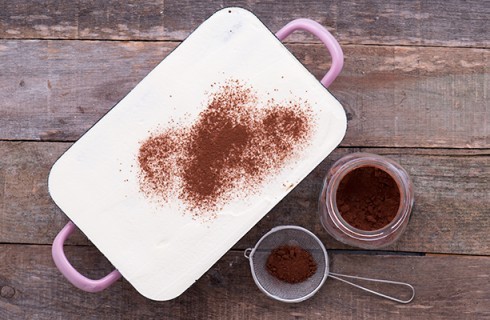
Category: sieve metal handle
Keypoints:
(340, 277)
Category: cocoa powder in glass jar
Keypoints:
(366, 200)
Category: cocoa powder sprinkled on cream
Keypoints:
(232, 148)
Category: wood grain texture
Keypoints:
(450, 214)
(32, 288)
(393, 96)
(434, 23)
(52, 89)
(415, 87)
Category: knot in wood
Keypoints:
(7, 292)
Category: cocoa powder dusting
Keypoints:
(291, 264)
(232, 147)
(158, 158)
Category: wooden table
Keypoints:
(415, 87)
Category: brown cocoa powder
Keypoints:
(291, 264)
(368, 198)
(158, 158)
(231, 149)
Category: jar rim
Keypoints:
(367, 160)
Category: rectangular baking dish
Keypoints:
(160, 250)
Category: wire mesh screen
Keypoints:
(280, 290)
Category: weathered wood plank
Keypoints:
(447, 287)
(444, 23)
(394, 96)
(451, 194)
(27, 213)
(439, 23)
(411, 97)
(57, 89)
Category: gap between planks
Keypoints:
(354, 251)
(284, 42)
(469, 152)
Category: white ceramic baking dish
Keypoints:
(158, 249)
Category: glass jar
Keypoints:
(342, 231)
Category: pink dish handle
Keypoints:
(71, 273)
(326, 37)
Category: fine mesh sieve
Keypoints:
(287, 292)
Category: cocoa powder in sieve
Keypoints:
(231, 149)
(368, 198)
(291, 264)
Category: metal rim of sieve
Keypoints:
(268, 284)
(323, 264)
